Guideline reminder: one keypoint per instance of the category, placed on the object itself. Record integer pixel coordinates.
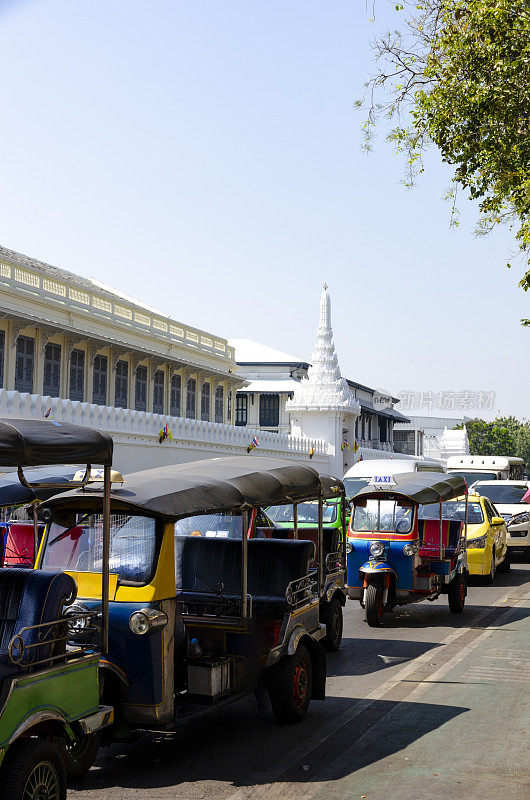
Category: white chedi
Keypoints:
(324, 389)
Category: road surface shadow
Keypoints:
(365, 656)
(232, 748)
(421, 616)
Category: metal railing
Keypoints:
(214, 609)
(301, 590)
(49, 642)
(334, 562)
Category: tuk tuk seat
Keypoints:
(29, 597)
(429, 534)
(330, 537)
(19, 545)
(209, 569)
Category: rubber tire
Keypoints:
(21, 759)
(506, 564)
(332, 619)
(374, 605)
(490, 578)
(77, 765)
(457, 595)
(281, 686)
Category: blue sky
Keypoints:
(205, 157)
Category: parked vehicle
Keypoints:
(362, 472)
(507, 496)
(50, 705)
(486, 533)
(200, 612)
(486, 468)
(301, 521)
(20, 528)
(396, 557)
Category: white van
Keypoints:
(486, 468)
(360, 475)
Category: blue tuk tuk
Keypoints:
(397, 557)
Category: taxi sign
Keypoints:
(382, 482)
(96, 475)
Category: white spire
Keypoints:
(324, 388)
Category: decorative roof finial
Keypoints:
(325, 287)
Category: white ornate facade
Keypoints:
(432, 437)
(66, 336)
(323, 405)
(285, 393)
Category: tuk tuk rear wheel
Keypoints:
(79, 756)
(456, 594)
(291, 686)
(33, 770)
(332, 619)
(374, 605)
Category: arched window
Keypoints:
(121, 384)
(140, 391)
(52, 370)
(191, 388)
(77, 375)
(205, 402)
(175, 398)
(99, 383)
(219, 403)
(158, 392)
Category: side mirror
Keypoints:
(497, 521)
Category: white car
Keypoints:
(506, 496)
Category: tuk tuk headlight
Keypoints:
(410, 548)
(147, 620)
(377, 549)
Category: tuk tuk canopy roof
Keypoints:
(420, 487)
(36, 442)
(14, 493)
(215, 484)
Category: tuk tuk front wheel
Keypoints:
(374, 605)
(79, 756)
(291, 686)
(332, 619)
(33, 770)
(456, 593)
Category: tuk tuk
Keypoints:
(200, 612)
(20, 527)
(302, 521)
(49, 692)
(397, 556)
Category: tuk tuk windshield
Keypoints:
(354, 485)
(307, 512)
(453, 510)
(212, 526)
(75, 542)
(389, 516)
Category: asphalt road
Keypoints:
(429, 705)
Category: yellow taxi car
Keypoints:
(487, 550)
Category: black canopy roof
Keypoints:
(215, 484)
(34, 442)
(420, 487)
(13, 493)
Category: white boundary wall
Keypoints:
(136, 434)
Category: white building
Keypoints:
(286, 394)
(432, 437)
(74, 349)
